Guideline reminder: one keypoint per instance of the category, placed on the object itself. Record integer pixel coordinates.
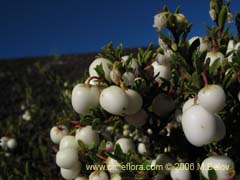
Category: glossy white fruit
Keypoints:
(128, 78)
(114, 100)
(163, 71)
(134, 101)
(68, 142)
(212, 98)
(3, 142)
(221, 129)
(98, 175)
(189, 103)
(199, 126)
(162, 104)
(88, 136)
(138, 119)
(125, 144)
(113, 166)
(72, 173)
(142, 148)
(57, 133)
(67, 158)
(85, 97)
(213, 55)
(115, 177)
(80, 178)
(106, 64)
(223, 166)
(180, 174)
(12, 143)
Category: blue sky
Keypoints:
(39, 28)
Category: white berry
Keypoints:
(84, 97)
(110, 96)
(223, 166)
(57, 133)
(161, 71)
(98, 175)
(199, 126)
(180, 174)
(212, 98)
(67, 158)
(142, 148)
(113, 166)
(189, 103)
(80, 178)
(88, 136)
(106, 64)
(125, 144)
(72, 173)
(68, 141)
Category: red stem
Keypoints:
(107, 149)
(74, 122)
(205, 78)
(101, 157)
(91, 78)
(59, 126)
(232, 176)
(215, 46)
(195, 99)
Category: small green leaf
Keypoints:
(213, 68)
(100, 71)
(222, 17)
(27, 172)
(212, 174)
(11, 177)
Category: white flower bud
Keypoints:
(213, 14)
(160, 20)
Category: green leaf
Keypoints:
(212, 174)
(222, 17)
(27, 172)
(11, 177)
(201, 177)
(118, 150)
(100, 71)
(213, 68)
